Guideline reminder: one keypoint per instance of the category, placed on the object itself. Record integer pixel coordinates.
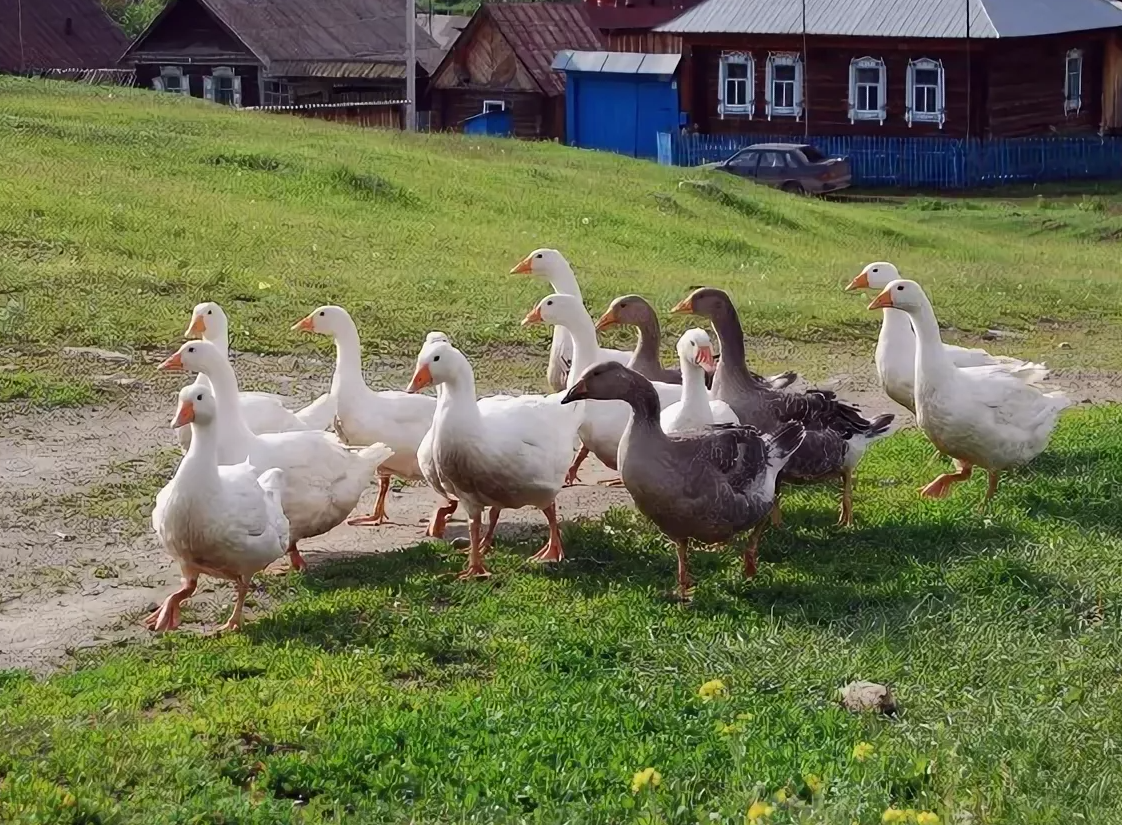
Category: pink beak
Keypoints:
(705, 359)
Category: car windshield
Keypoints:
(811, 154)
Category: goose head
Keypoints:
(435, 337)
(631, 310)
(901, 294)
(194, 356)
(695, 348)
(548, 264)
(327, 320)
(208, 322)
(196, 405)
(558, 310)
(437, 363)
(876, 275)
(605, 381)
(707, 301)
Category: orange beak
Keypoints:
(860, 282)
(173, 364)
(524, 267)
(305, 325)
(421, 379)
(197, 328)
(882, 301)
(534, 317)
(705, 359)
(184, 415)
(608, 319)
(684, 306)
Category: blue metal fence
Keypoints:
(941, 163)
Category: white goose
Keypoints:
(503, 452)
(696, 410)
(264, 412)
(986, 419)
(323, 479)
(603, 422)
(363, 416)
(896, 346)
(226, 522)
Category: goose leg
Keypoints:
(493, 521)
(166, 617)
(752, 550)
(295, 558)
(475, 568)
(379, 514)
(571, 476)
(846, 518)
(942, 485)
(685, 583)
(991, 487)
(776, 514)
(552, 550)
(235, 620)
(439, 519)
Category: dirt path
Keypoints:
(72, 578)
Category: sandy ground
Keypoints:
(70, 581)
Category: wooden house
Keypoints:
(956, 68)
(324, 56)
(57, 35)
(630, 25)
(501, 62)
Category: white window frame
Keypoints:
(1072, 105)
(222, 72)
(784, 59)
(497, 106)
(856, 113)
(271, 97)
(749, 104)
(940, 114)
(160, 83)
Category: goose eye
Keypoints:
(199, 397)
(210, 312)
(322, 314)
(876, 271)
(435, 358)
(190, 349)
(899, 288)
(538, 256)
(549, 303)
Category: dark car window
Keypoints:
(745, 160)
(770, 161)
(812, 155)
(793, 159)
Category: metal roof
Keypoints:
(58, 34)
(569, 60)
(898, 18)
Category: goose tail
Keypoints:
(782, 445)
(272, 482)
(374, 455)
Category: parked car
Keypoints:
(793, 167)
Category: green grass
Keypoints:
(44, 390)
(122, 208)
(383, 691)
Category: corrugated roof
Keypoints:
(365, 31)
(538, 31)
(616, 62)
(93, 41)
(634, 18)
(444, 28)
(898, 18)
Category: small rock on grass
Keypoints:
(859, 697)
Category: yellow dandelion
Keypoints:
(263, 285)
(781, 795)
(893, 815)
(711, 689)
(759, 810)
(862, 751)
(744, 717)
(644, 778)
(927, 818)
(813, 783)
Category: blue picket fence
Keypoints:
(940, 163)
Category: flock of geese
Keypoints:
(704, 449)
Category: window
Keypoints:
(926, 95)
(1073, 81)
(736, 92)
(771, 160)
(745, 160)
(792, 161)
(494, 106)
(276, 93)
(867, 89)
(223, 87)
(811, 154)
(784, 86)
(172, 80)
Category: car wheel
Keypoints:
(794, 187)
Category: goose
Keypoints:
(603, 424)
(364, 416)
(991, 420)
(636, 311)
(837, 435)
(703, 486)
(896, 346)
(696, 410)
(505, 452)
(323, 479)
(550, 265)
(440, 516)
(222, 521)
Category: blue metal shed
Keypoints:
(496, 123)
(619, 101)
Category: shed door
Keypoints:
(657, 108)
(606, 113)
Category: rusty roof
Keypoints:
(538, 31)
(36, 36)
(300, 31)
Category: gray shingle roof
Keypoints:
(898, 18)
